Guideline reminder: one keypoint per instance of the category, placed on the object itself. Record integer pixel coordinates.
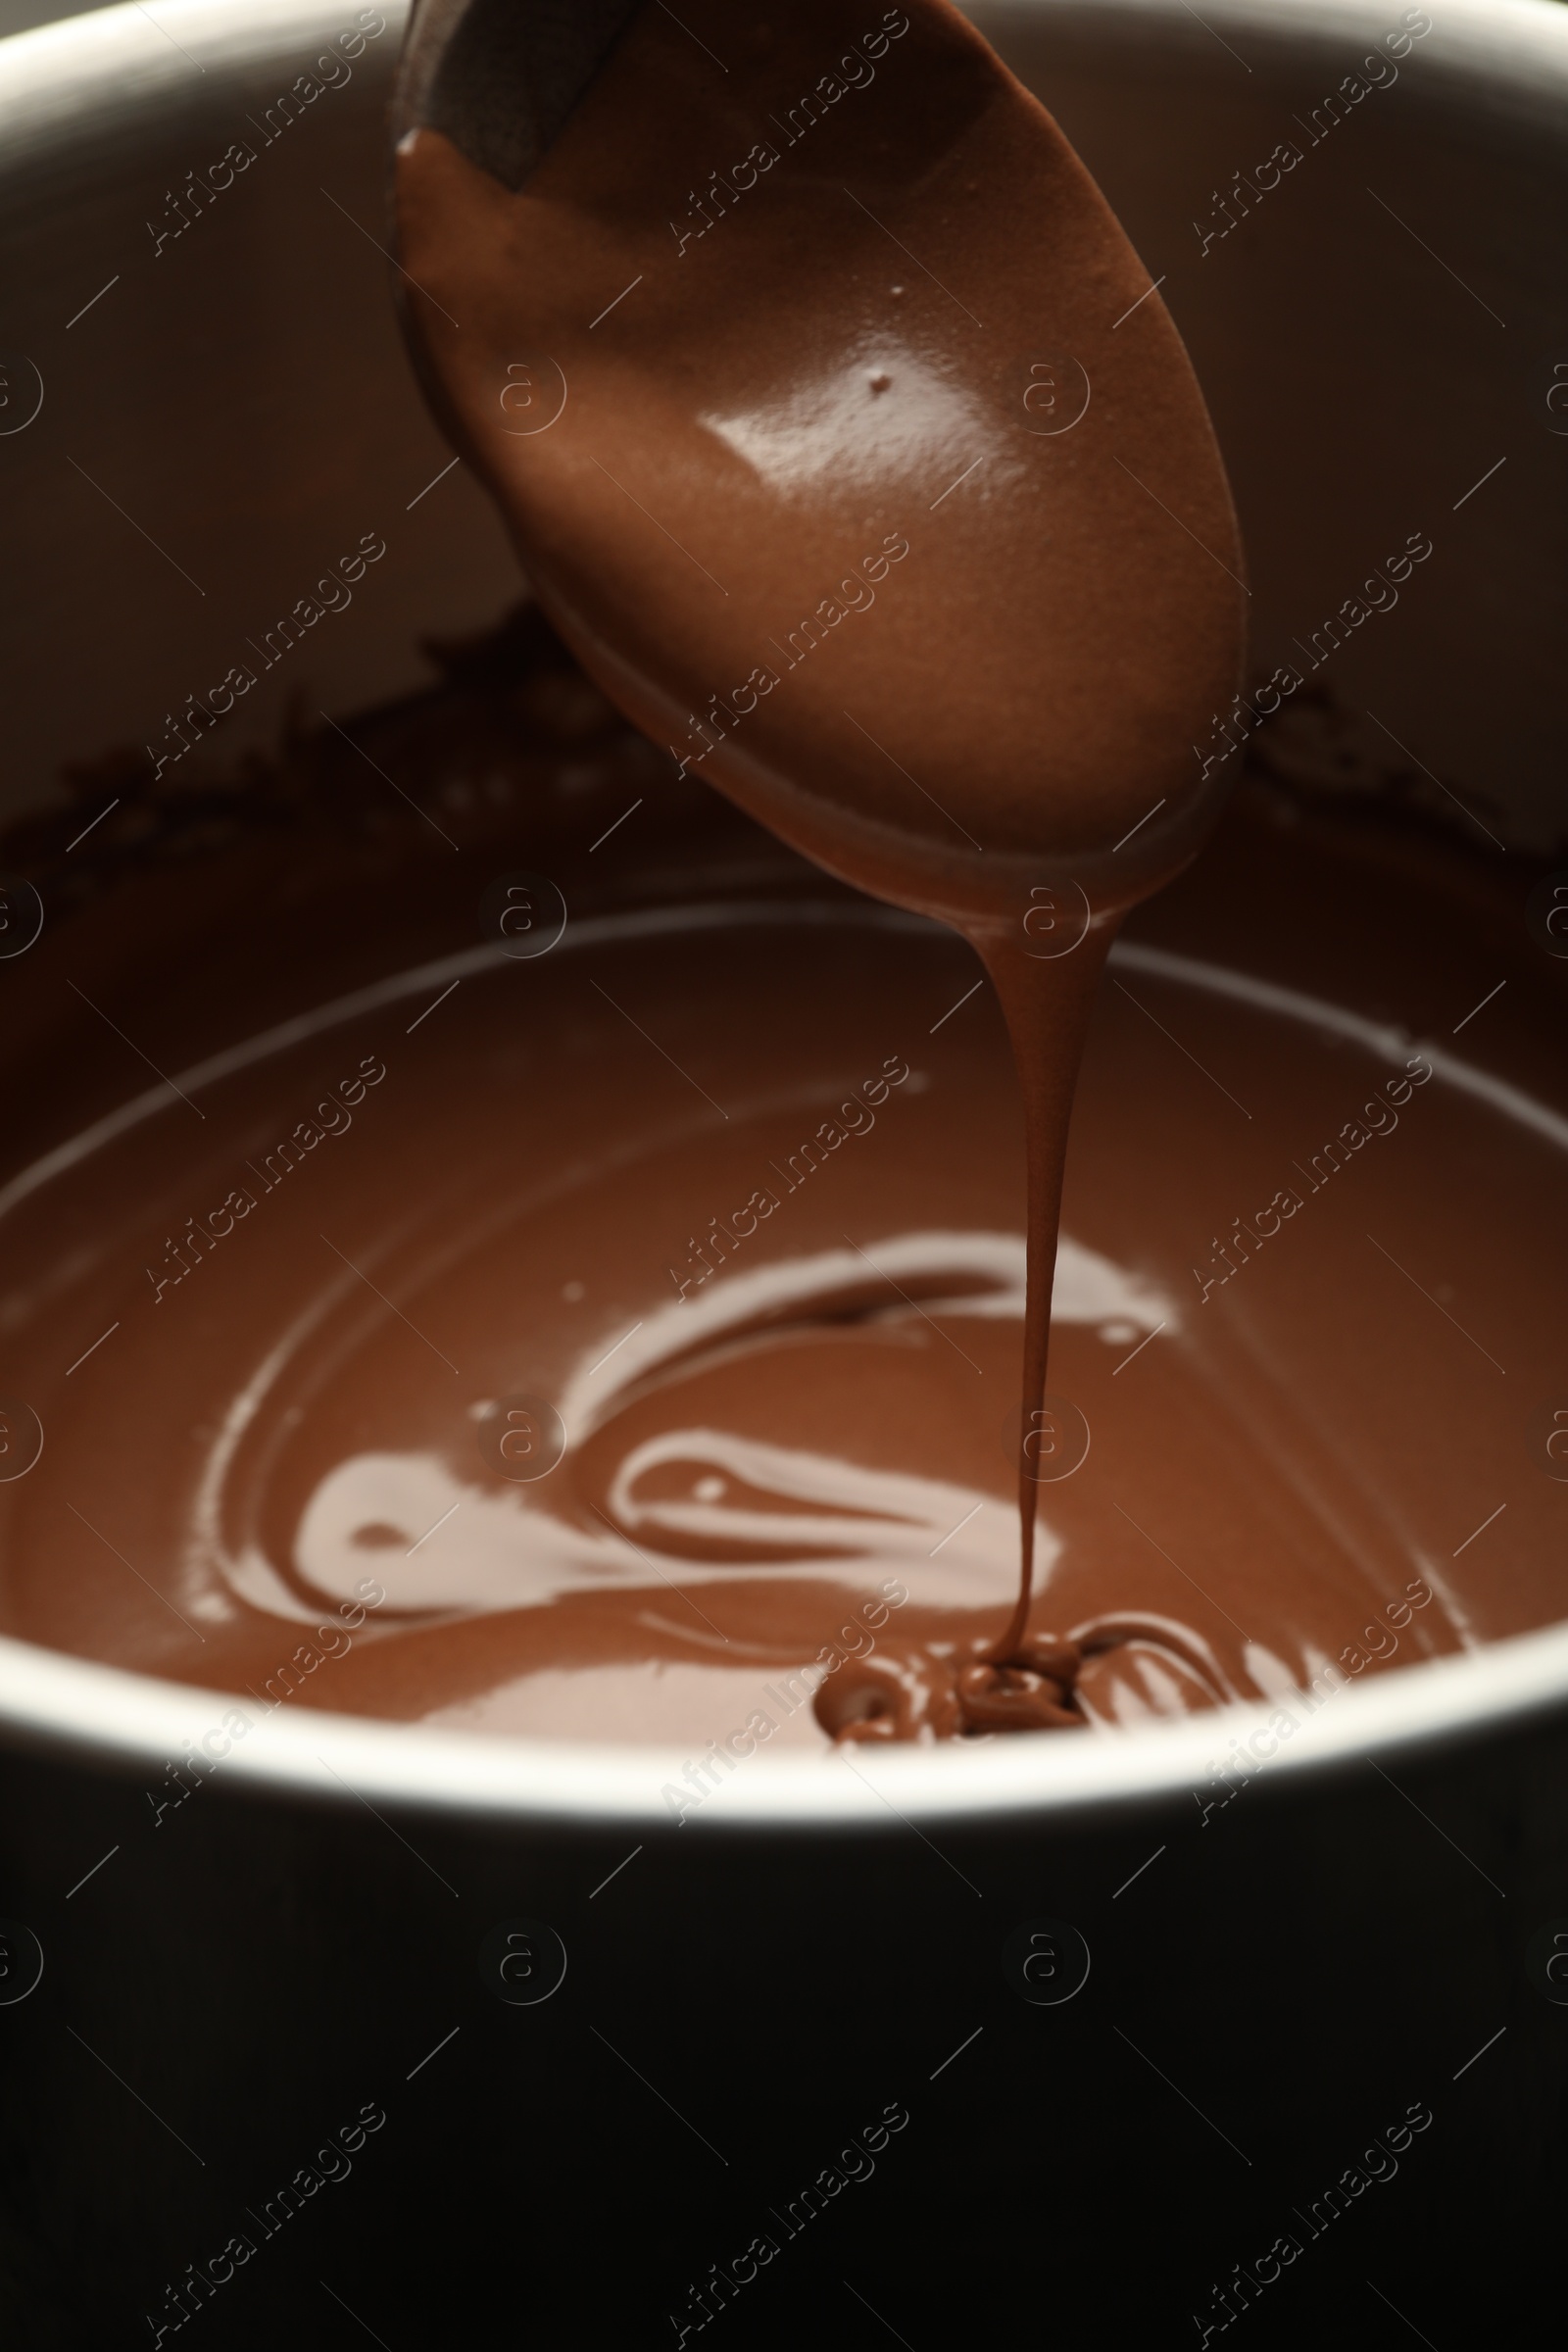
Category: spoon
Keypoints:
(847, 444)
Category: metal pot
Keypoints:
(1317, 2059)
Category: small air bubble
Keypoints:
(1118, 1335)
(710, 1489)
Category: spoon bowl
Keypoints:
(868, 474)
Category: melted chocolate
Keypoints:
(786, 1343)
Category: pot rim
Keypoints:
(55, 78)
(107, 1717)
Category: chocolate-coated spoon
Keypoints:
(847, 442)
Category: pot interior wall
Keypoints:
(1375, 334)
